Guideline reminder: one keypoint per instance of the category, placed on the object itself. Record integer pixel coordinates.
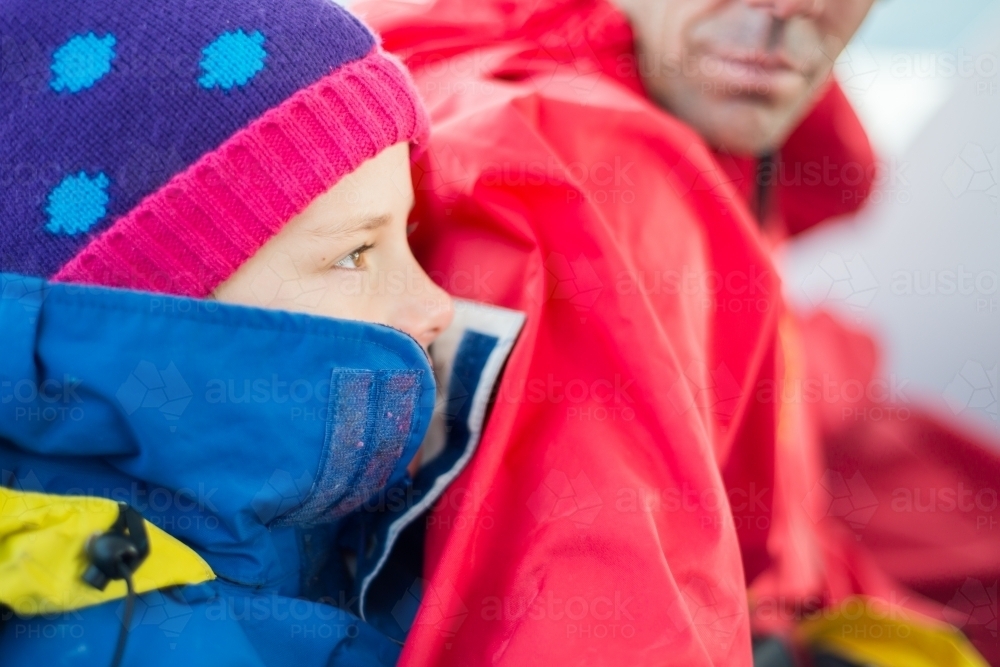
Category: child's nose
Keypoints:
(428, 311)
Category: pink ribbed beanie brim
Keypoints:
(191, 234)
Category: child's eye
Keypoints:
(354, 260)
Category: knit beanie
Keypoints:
(157, 144)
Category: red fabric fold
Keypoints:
(647, 491)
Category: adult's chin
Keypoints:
(740, 126)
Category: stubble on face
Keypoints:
(741, 75)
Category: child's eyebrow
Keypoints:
(358, 224)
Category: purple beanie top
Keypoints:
(158, 145)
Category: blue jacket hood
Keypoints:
(230, 427)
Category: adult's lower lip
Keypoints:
(727, 75)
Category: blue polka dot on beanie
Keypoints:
(77, 203)
(81, 62)
(232, 59)
(107, 100)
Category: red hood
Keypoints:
(552, 185)
(591, 527)
(827, 167)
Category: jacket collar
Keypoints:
(222, 424)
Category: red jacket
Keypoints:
(634, 475)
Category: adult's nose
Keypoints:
(786, 9)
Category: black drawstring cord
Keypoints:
(117, 554)
(126, 574)
(765, 167)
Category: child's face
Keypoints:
(346, 256)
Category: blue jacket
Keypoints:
(273, 444)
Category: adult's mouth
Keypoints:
(750, 73)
